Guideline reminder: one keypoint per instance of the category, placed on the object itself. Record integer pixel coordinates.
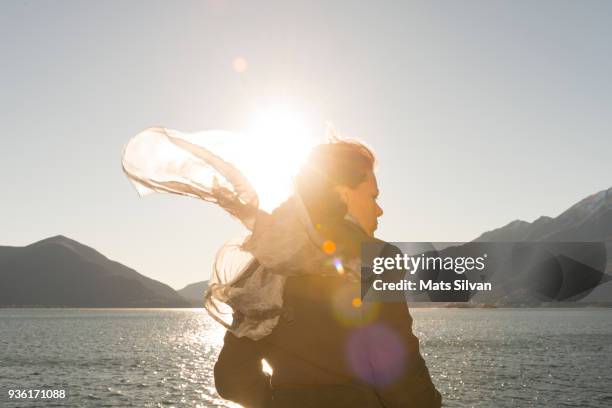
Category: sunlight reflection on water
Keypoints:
(135, 357)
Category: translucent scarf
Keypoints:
(246, 286)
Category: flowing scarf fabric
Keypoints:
(246, 286)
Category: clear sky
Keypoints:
(480, 112)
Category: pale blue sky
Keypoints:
(480, 112)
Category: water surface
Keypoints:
(164, 357)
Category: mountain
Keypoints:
(61, 272)
(588, 220)
(194, 292)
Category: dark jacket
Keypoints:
(328, 350)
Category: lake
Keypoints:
(164, 357)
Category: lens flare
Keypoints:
(266, 367)
(349, 310)
(329, 247)
(240, 65)
(376, 354)
(338, 266)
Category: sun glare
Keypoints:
(278, 142)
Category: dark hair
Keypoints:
(338, 163)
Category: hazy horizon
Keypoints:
(480, 113)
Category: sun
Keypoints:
(277, 143)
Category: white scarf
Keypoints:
(249, 273)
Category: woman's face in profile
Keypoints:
(361, 203)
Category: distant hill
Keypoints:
(61, 272)
(194, 293)
(588, 220)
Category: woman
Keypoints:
(295, 302)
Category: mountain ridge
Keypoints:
(588, 219)
(194, 292)
(61, 272)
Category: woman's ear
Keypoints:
(343, 192)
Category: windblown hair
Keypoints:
(338, 163)
(243, 294)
